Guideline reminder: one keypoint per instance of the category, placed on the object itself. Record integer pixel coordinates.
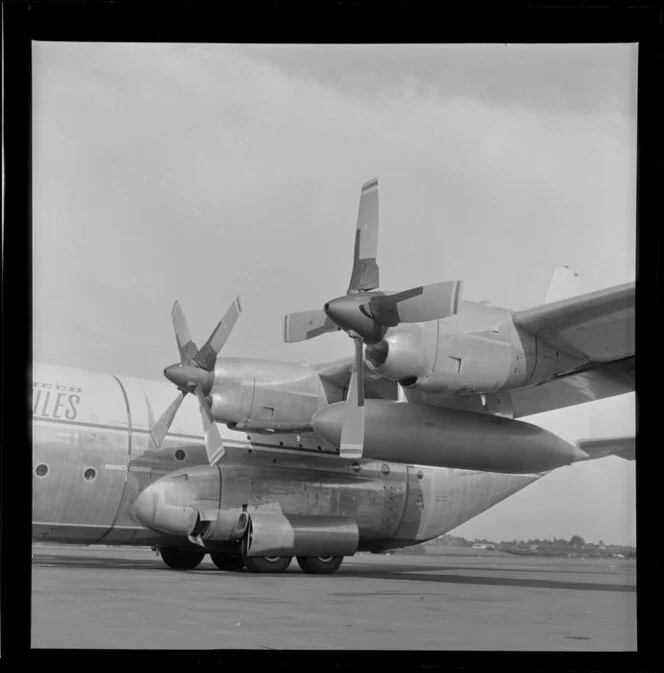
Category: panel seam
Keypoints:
(126, 475)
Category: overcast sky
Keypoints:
(200, 172)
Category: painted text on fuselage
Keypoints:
(55, 401)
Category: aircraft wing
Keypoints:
(587, 385)
(623, 447)
(598, 326)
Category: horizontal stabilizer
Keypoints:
(623, 447)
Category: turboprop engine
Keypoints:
(415, 433)
(366, 313)
(247, 394)
(265, 396)
(477, 351)
(425, 337)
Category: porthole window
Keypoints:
(420, 474)
(355, 467)
(41, 470)
(90, 474)
(180, 455)
(385, 469)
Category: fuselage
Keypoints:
(92, 457)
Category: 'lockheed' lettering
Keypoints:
(55, 386)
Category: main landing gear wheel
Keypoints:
(227, 561)
(181, 559)
(267, 564)
(320, 565)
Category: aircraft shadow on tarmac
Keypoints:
(378, 571)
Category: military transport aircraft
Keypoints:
(415, 435)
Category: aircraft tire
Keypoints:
(267, 564)
(181, 559)
(320, 565)
(227, 561)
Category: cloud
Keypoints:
(199, 171)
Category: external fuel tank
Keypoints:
(414, 433)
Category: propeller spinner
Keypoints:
(195, 374)
(365, 313)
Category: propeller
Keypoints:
(195, 374)
(352, 431)
(366, 313)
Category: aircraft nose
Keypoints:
(187, 376)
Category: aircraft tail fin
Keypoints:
(623, 447)
(564, 285)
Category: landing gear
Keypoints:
(227, 561)
(320, 565)
(181, 559)
(267, 564)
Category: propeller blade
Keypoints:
(307, 325)
(214, 446)
(365, 269)
(150, 412)
(207, 356)
(420, 304)
(160, 429)
(352, 432)
(186, 346)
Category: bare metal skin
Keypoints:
(481, 350)
(266, 395)
(87, 421)
(477, 351)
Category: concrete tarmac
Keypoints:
(96, 597)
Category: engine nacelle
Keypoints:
(478, 351)
(265, 396)
(406, 353)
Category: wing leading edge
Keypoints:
(598, 326)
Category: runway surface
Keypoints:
(96, 597)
